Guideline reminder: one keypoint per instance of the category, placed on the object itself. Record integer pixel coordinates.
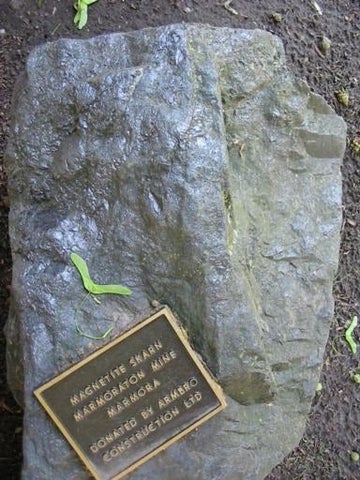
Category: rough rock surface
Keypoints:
(185, 162)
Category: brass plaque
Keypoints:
(132, 398)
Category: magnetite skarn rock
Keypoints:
(187, 163)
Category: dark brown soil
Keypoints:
(333, 429)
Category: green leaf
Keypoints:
(81, 16)
(80, 264)
(92, 287)
(348, 334)
(77, 17)
(355, 457)
(115, 289)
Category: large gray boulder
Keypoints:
(187, 163)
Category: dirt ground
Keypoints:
(333, 429)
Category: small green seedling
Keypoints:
(81, 16)
(230, 9)
(316, 7)
(343, 97)
(348, 334)
(356, 378)
(92, 287)
(319, 387)
(355, 457)
(355, 145)
(277, 17)
(325, 45)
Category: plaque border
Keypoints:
(181, 334)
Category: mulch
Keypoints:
(321, 40)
